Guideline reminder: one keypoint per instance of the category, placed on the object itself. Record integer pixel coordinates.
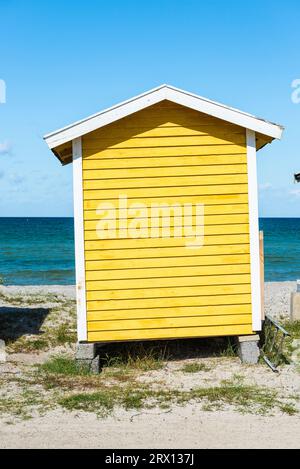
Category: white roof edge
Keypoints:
(163, 92)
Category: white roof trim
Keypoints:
(163, 92)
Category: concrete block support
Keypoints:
(87, 355)
(86, 351)
(248, 349)
(295, 306)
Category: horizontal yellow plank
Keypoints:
(163, 272)
(177, 251)
(171, 333)
(164, 161)
(167, 292)
(144, 232)
(213, 204)
(167, 216)
(147, 120)
(161, 192)
(164, 242)
(123, 184)
(152, 266)
(142, 223)
(165, 282)
(173, 141)
(168, 129)
(95, 153)
(160, 125)
(161, 323)
(91, 217)
(180, 311)
(170, 220)
(150, 303)
(91, 174)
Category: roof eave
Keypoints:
(154, 96)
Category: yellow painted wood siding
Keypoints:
(155, 288)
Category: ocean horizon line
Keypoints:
(64, 217)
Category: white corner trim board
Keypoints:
(163, 92)
(254, 231)
(79, 240)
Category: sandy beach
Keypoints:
(277, 298)
(33, 415)
(182, 428)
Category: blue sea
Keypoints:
(40, 251)
(37, 251)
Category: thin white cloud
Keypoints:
(16, 178)
(2, 92)
(295, 192)
(265, 186)
(5, 148)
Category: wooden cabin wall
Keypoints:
(155, 288)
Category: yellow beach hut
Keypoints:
(166, 218)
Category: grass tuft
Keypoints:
(105, 400)
(100, 402)
(230, 348)
(134, 357)
(194, 368)
(61, 365)
(288, 408)
(293, 327)
(62, 335)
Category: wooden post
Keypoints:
(262, 273)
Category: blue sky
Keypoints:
(64, 60)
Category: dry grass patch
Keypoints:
(293, 327)
(82, 391)
(243, 398)
(61, 382)
(194, 368)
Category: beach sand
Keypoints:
(278, 297)
(184, 427)
(187, 426)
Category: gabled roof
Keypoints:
(164, 92)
